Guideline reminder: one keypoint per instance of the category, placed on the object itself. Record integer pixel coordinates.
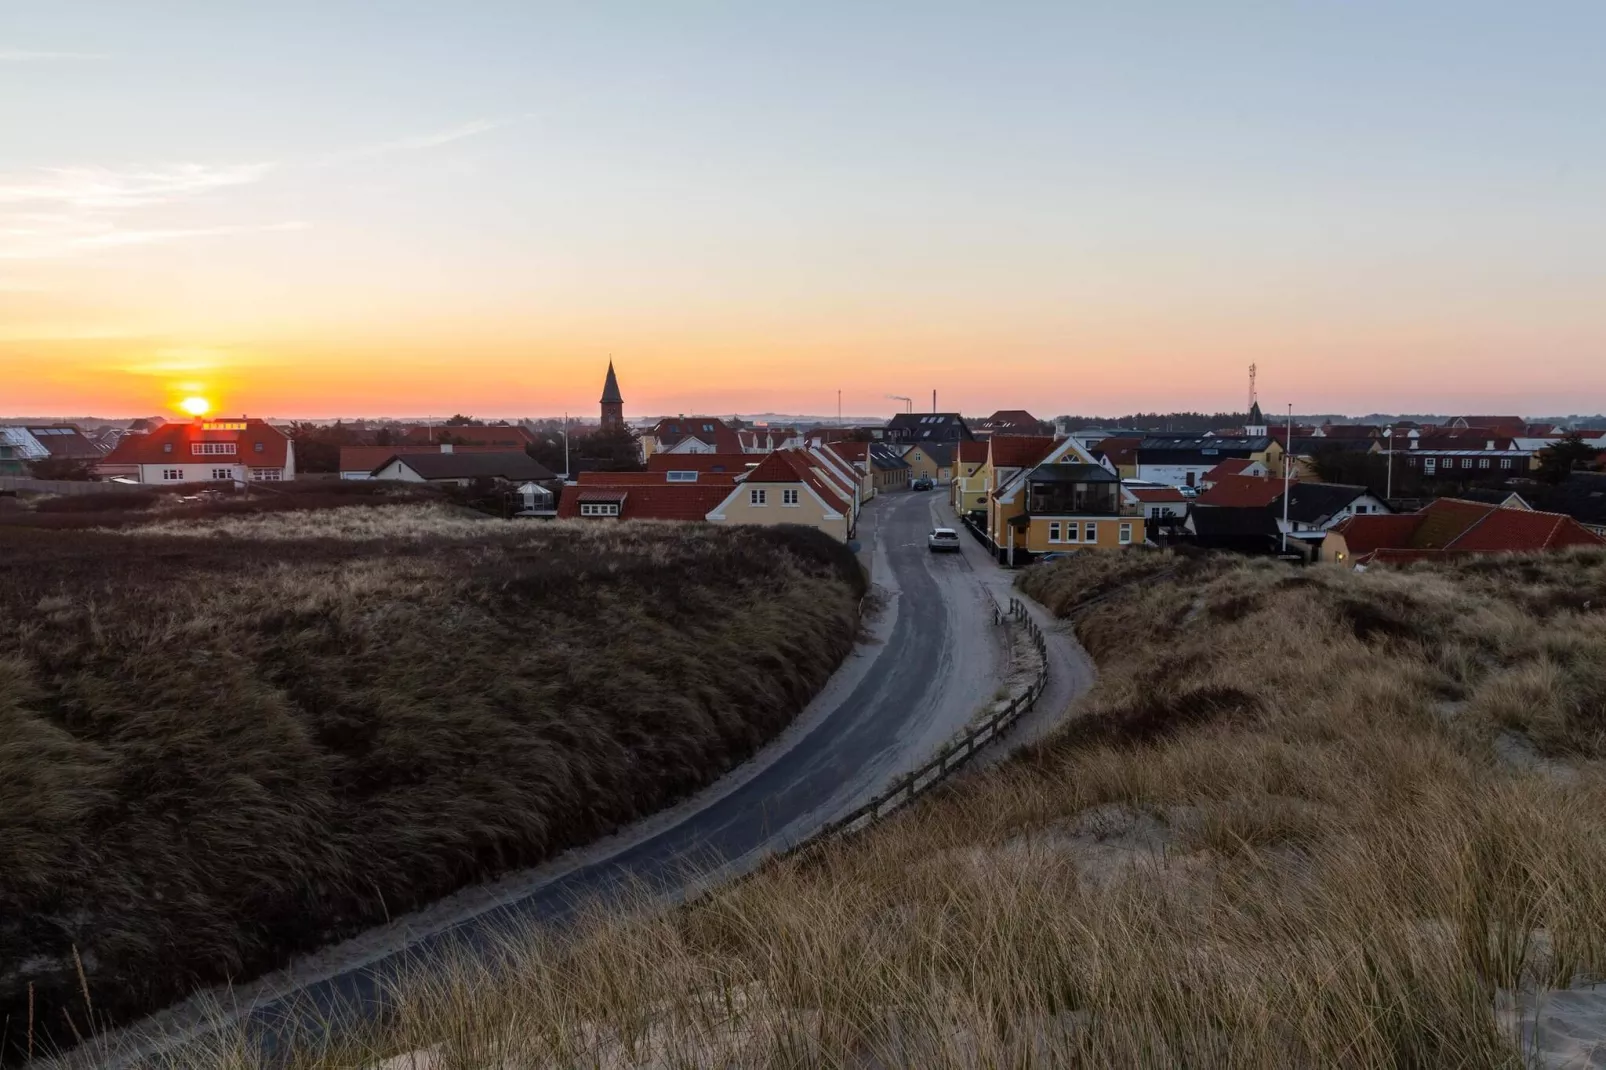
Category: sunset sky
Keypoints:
(322, 208)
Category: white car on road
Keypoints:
(943, 539)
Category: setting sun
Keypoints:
(196, 406)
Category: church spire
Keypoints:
(610, 389)
(613, 402)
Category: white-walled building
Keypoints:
(205, 451)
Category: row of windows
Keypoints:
(1431, 463)
(599, 508)
(206, 448)
(267, 475)
(760, 496)
(1068, 532)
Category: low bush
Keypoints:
(225, 740)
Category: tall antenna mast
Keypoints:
(1252, 370)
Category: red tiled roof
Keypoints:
(1450, 525)
(1019, 451)
(673, 430)
(1252, 492)
(153, 448)
(1518, 530)
(1157, 495)
(850, 450)
(367, 458)
(1233, 466)
(702, 462)
(1505, 425)
(972, 451)
(672, 501)
(1371, 531)
(791, 466)
(1444, 520)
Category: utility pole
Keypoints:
(839, 408)
(1288, 470)
(566, 446)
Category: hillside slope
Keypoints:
(225, 740)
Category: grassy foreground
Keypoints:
(223, 740)
(1306, 818)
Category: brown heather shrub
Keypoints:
(1303, 819)
(225, 741)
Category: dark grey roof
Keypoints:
(1314, 503)
(886, 457)
(1313, 444)
(610, 389)
(928, 426)
(1232, 520)
(1072, 473)
(513, 466)
(65, 442)
(941, 452)
(1223, 443)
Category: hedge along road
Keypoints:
(930, 657)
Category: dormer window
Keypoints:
(167, 447)
(260, 447)
(682, 477)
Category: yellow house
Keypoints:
(931, 461)
(785, 489)
(968, 491)
(1061, 500)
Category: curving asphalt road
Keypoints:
(930, 658)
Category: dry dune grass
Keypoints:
(1287, 829)
(219, 748)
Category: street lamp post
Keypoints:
(1388, 493)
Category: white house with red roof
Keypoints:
(205, 451)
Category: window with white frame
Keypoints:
(1090, 533)
(1126, 534)
(173, 475)
(1505, 462)
(211, 449)
(758, 496)
(1466, 462)
(1483, 462)
(681, 477)
(599, 508)
(1053, 531)
(267, 475)
(222, 473)
(1073, 532)
(789, 496)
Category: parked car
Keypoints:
(922, 484)
(1043, 559)
(943, 539)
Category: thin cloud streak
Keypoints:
(473, 128)
(22, 55)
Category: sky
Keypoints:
(349, 208)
